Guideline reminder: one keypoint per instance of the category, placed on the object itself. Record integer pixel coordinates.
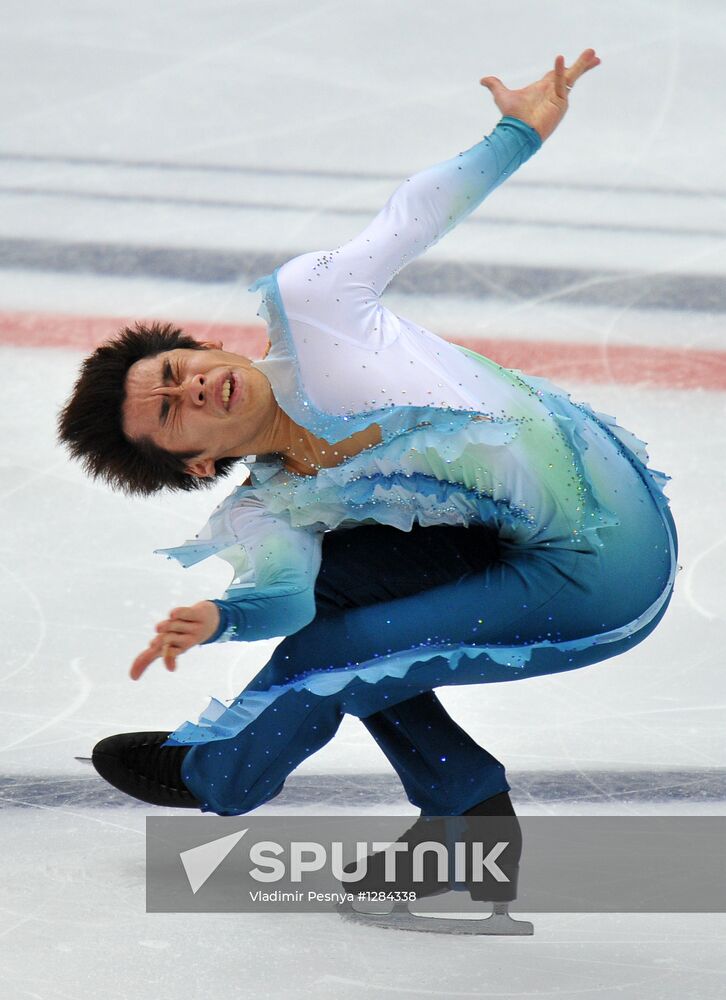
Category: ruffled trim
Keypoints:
(216, 535)
(383, 482)
(380, 483)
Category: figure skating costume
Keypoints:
(586, 548)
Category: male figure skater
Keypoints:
(416, 516)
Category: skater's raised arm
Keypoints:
(430, 203)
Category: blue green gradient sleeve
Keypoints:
(263, 616)
(275, 566)
(421, 210)
(429, 204)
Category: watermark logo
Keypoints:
(201, 862)
(274, 862)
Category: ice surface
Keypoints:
(154, 159)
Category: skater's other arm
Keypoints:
(272, 593)
(273, 589)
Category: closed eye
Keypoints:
(168, 376)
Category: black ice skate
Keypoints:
(375, 881)
(138, 764)
(490, 830)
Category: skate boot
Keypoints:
(493, 822)
(490, 832)
(490, 824)
(374, 881)
(501, 825)
(138, 764)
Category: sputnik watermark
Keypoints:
(303, 857)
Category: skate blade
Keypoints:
(400, 917)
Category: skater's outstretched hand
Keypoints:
(542, 104)
(184, 628)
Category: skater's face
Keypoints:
(211, 403)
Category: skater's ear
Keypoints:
(212, 345)
(202, 468)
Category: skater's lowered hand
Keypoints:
(184, 628)
(542, 104)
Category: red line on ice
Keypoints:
(673, 368)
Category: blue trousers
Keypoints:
(381, 589)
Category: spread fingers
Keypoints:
(587, 60)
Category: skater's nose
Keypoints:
(193, 389)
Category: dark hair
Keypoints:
(90, 424)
